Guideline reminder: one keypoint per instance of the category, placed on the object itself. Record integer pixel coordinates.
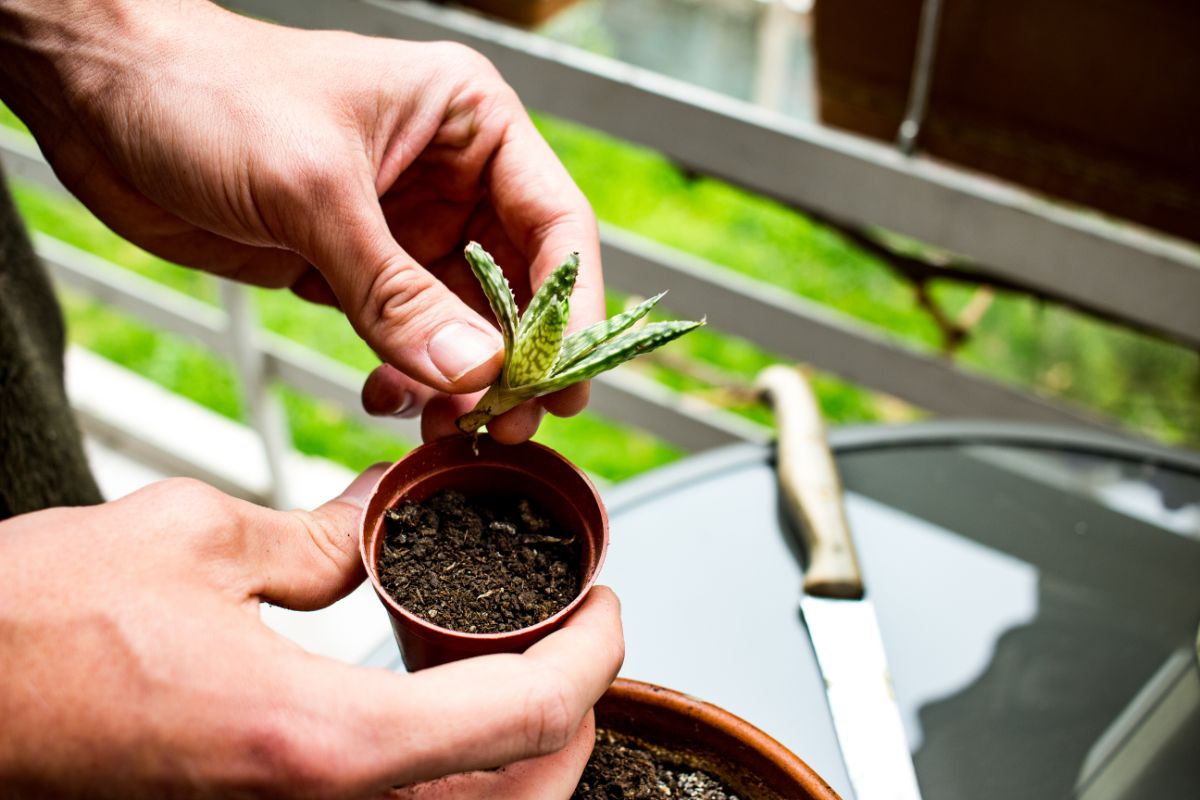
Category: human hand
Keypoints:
(350, 169)
(135, 665)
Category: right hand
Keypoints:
(350, 169)
(135, 665)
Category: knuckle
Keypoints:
(466, 58)
(285, 763)
(394, 296)
(305, 174)
(330, 546)
(319, 176)
(189, 498)
(549, 719)
(203, 520)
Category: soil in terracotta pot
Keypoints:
(478, 564)
(622, 769)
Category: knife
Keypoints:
(837, 612)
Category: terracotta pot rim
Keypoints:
(707, 714)
(423, 627)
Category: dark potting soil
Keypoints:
(620, 769)
(478, 564)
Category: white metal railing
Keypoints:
(1043, 246)
(857, 182)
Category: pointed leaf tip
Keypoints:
(579, 345)
(554, 290)
(499, 294)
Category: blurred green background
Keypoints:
(1147, 386)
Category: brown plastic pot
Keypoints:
(706, 737)
(483, 466)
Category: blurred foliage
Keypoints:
(1147, 385)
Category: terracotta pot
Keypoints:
(706, 737)
(483, 466)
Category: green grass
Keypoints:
(1149, 386)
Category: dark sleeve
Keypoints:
(42, 462)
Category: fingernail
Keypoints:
(459, 348)
(359, 490)
(405, 405)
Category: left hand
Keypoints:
(135, 665)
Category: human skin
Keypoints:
(351, 170)
(135, 665)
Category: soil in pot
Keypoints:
(478, 564)
(623, 768)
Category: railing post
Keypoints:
(266, 412)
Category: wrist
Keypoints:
(56, 58)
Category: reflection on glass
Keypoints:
(1096, 694)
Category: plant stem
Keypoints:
(491, 405)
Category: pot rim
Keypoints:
(423, 627)
(673, 701)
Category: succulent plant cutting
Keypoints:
(539, 358)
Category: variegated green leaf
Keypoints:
(499, 293)
(537, 360)
(537, 346)
(626, 346)
(578, 345)
(553, 291)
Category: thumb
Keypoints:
(408, 316)
(306, 560)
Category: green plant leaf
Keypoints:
(537, 360)
(553, 291)
(578, 345)
(538, 346)
(499, 293)
(618, 351)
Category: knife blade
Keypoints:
(838, 614)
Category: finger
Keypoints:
(388, 392)
(517, 424)
(313, 287)
(508, 708)
(568, 402)
(485, 227)
(426, 223)
(407, 316)
(306, 559)
(441, 413)
(546, 216)
(546, 777)
(383, 730)
(514, 426)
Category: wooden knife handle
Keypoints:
(811, 488)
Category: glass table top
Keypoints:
(1038, 602)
